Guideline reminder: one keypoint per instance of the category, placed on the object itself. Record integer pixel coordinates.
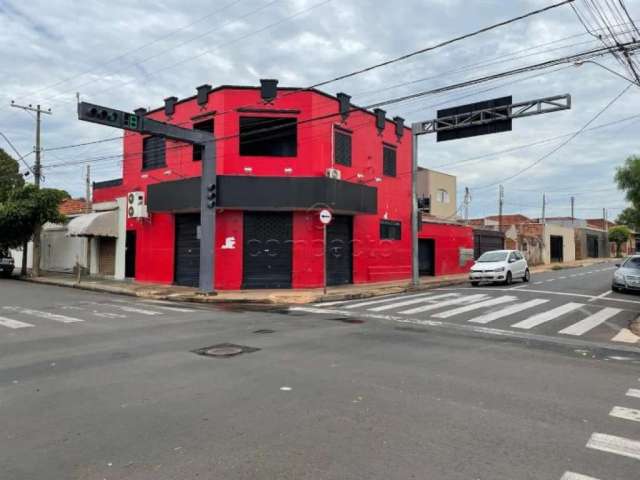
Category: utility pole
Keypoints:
(544, 207)
(500, 205)
(37, 172)
(88, 189)
(467, 201)
(573, 208)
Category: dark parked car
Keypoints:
(7, 264)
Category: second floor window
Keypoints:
(153, 152)
(342, 147)
(443, 196)
(268, 136)
(388, 161)
(205, 126)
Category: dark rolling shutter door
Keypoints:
(187, 260)
(426, 256)
(267, 251)
(339, 251)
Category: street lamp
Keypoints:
(579, 63)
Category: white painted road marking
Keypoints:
(445, 303)
(613, 444)
(591, 322)
(10, 323)
(538, 283)
(544, 317)
(174, 309)
(633, 392)
(133, 309)
(487, 303)
(412, 302)
(626, 336)
(505, 312)
(576, 476)
(385, 300)
(48, 315)
(625, 413)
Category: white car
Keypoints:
(499, 266)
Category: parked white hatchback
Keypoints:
(499, 266)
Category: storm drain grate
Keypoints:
(264, 331)
(224, 350)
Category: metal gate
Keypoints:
(107, 255)
(557, 249)
(130, 254)
(426, 257)
(267, 250)
(487, 240)
(339, 251)
(187, 255)
(592, 246)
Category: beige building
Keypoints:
(441, 189)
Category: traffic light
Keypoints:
(108, 116)
(211, 195)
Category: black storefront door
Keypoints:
(267, 250)
(187, 260)
(557, 253)
(339, 251)
(130, 254)
(426, 257)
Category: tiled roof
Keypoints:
(73, 206)
(515, 219)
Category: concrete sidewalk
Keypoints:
(298, 296)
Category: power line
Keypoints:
(554, 150)
(16, 152)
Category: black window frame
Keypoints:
(389, 163)
(390, 230)
(196, 155)
(150, 152)
(339, 156)
(251, 145)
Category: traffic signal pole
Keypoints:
(139, 124)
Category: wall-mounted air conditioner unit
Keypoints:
(136, 207)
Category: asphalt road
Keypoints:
(107, 387)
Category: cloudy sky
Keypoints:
(131, 54)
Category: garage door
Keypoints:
(267, 250)
(187, 261)
(339, 251)
(107, 255)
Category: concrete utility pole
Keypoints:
(37, 172)
(415, 267)
(544, 208)
(467, 201)
(500, 205)
(88, 189)
(573, 205)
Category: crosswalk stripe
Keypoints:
(625, 335)
(505, 312)
(468, 308)
(633, 392)
(614, 444)
(576, 476)
(134, 309)
(547, 316)
(10, 323)
(591, 322)
(330, 304)
(625, 413)
(385, 300)
(42, 314)
(445, 303)
(411, 302)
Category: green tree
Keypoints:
(619, 235)
(628, 179)
(630, 217)
(23, 207)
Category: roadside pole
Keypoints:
(415, 274)
(325, 217)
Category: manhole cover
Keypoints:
(224, 350)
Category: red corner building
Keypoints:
(279, 162)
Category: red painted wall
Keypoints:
(374, 259)
(448, 239)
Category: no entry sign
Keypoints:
(325, 216)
